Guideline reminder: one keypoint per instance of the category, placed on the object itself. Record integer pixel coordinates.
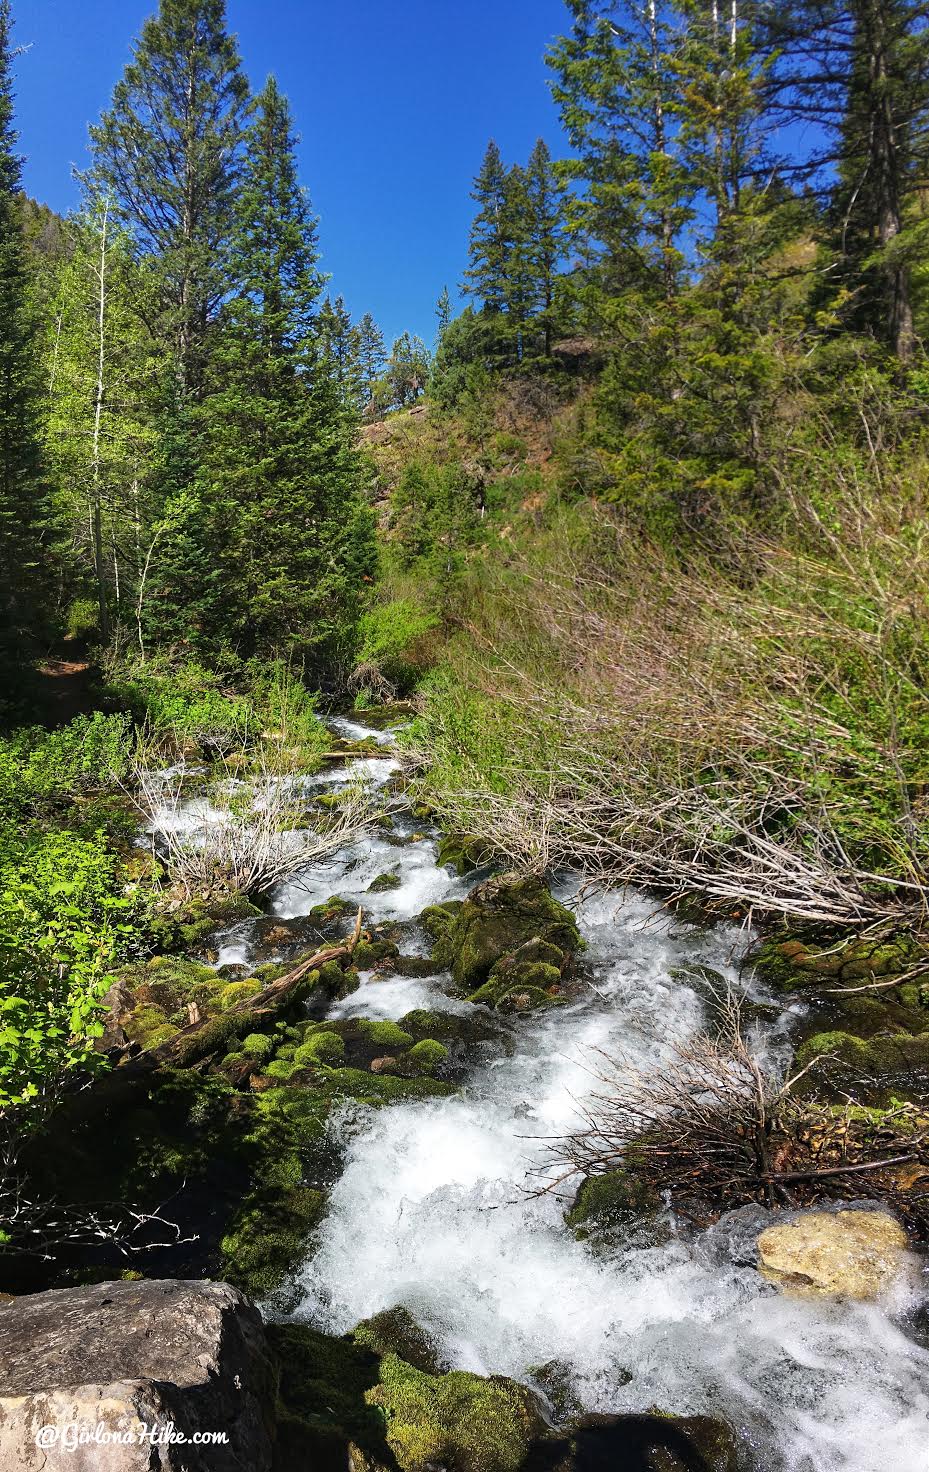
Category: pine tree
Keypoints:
(340, 344)
(279, 518)
(408, 369)
(856, 72)
(168, 154)
(443, 311)
(24, 508)
(372, 355)
(546, 204)
(615, 82)
(489, 251)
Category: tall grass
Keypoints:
(751, 727)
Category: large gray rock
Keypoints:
(118, 1361)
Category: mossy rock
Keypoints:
(462, 854)
(330, 910)
(607, 1204)
(426, 1057)
(528, 979)
(238, 991)
(383, 1034)
(379, 1088)
(321, 1048)
(369, 953)
(323, 1410)
(268, 1238)
(417, 967)
(796, 963)
(395, 1331)
(450, 1027)
(384, 882)
(438, 920)
(459, 1421)
(876, 1069)
(190, 926)
(500, 916)
(257, 1045)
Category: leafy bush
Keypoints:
(83, 618)
(389, 632)
(41, 768)
(186, 701)
(66, 919)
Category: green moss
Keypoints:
(416, 966)
(427, 1056)
(325, 1048)
(475, 1027)
(881, 1067)
(238, 991)
(438, 920)
(498, 918)
(369, 953)
(383, 1034)
(395, 1331)
(606, 1203)
(384, 882)
(268, 1238)
(257, 1045)
(458, 1421)
(379, 1088)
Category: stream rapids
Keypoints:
(431, 1210)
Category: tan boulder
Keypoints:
(856, 1254)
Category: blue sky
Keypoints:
(394, 103)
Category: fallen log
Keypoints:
(200, 1039)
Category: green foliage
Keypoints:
(41, 770)
(66, 919)
(388, 636)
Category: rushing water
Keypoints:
(431, 1211)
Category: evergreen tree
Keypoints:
(168, 154)
(546, 204)
(279, 525)
(24, 509)
(443, 312)
(340, 344)
(372, 363)
(857, 72)
(615, 82)
(408, 369)
(489, 251)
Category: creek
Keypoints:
(431, 1210)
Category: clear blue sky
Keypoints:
(394, 102)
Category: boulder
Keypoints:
(639, 1443)
(856, 1254)
(499, 918)
(117, 1362)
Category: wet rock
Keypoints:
(395, 1331)
(459, 1421)
(123, 1354)
(607, 1206)
(384, 882)
(647, 1443)
(855, 1254)
(876, 1068)
(498, 918)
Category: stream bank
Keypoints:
(283, 1170)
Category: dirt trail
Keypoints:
(66, 687)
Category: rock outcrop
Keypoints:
(129, 1365)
